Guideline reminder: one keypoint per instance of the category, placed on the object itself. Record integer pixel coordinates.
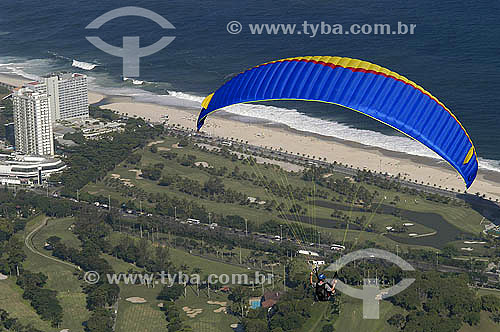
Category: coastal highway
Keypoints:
(304, 161)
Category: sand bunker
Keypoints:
(3, 277)
(208, 147)
(254, 200)
(223, 307)
(192, 313)
(125, 181)
(162, 148)
(203, 164)
(137, 172)
(136, 300)
(218, 303)
(155, 142)
(176, 146)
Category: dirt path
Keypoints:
(28, 241)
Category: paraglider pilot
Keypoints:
(324, 288)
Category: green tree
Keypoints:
(101, 320)
(255, 325)
(397, 320)
(328, 328)
(171, 293)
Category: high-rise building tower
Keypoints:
(68, 95)
(32, 122)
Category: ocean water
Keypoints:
(453, 54)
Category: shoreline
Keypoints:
(427, 161)
(426, 170)
(423, 169)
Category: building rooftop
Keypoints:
(271, 296)
(64, 75)
(25, 160)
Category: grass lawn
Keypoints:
(75, 310)
(60, 276)
(485, 325)
(208, 320)
(466, 220)
(484, 291)
(145, 317)
(11, 300)
(317, 320)
(179, 257)
(60, 228)
(351, 317)
(149, 317)
(120, 266)
(478, 249)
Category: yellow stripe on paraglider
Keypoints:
(469, 155)
(358, 111)
(206, 101)
(350, 63)
(360, 65)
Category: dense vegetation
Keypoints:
(8, 323)
(91, 160)
(102, 113)
(43, 300)
(441, 302)
(12, 256)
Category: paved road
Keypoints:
(304, 161)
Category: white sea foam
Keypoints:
(31, 69)
(59, 56)
(302, 122)
(16, 70)
(83, 65)
(134, 82)
(489, 164)
(186, 96)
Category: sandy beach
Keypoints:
(424, 170)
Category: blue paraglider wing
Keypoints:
(360, 86)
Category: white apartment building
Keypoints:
(68, 95)
(32, 122)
